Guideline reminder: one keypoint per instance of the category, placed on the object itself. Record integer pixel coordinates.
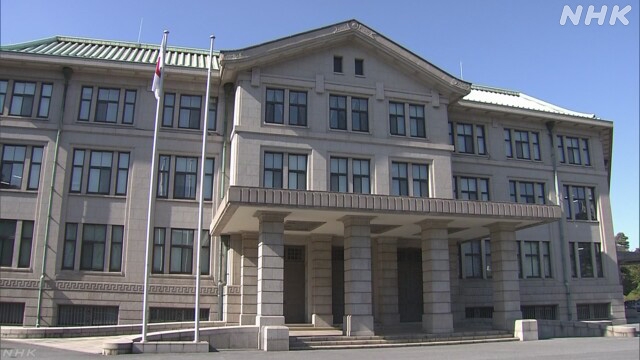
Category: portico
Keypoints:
(369, 229)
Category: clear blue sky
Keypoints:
(518, 45)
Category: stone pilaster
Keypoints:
(321, 289)
(457, 307)
(388, 281)
(504, 271)
(270, 268)
(358, 319)
(249, 279)
(436, 282)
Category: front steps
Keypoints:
(311, 342)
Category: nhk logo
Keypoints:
(616, 15)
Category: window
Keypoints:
(337, 64)
(185, 178)
(11, 313)
(338, 112)
(181, 256)
(189, 115)
(213, 114)
(579, 203)
(359, 67)
(574, 150)
(277, 164)
(107, 106)
(361, 177)
(168, 106)
(172, 314)
(546, 258)
(297, 108)
(69, 251)
(273, 167)
(585, 259)
(208, 179)
(87, 315)
(359, 114)
(77, 170)
(396, 118)
(12, 166)
(598, 251)
(527, 192)
(115, 253)
(164, 165)
(468, 188)
(100, 172)
(86, 97)
(297, 172)
(129, 106)
(531, 259)
(593, 311)
(34, 170)
(525, 143)
(123, 174)
(22, 100)
(420, 180)
(3, 94)
(26, 241)
(158, 250)
(416, 121)
(472, 259)
(588, 262)
(45, 100)
(399, 179)
(338, 175)
(275, 106)
(205, 253)
(467, 138)
(7, 239)
(92, 254)
(539, 312)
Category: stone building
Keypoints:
(348, 181)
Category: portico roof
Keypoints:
(319, 212)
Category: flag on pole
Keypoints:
(158, 76)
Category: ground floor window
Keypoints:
(166, 314)
(11, 313)
(478, 312)
(87, 315)
(540, 312)
(593, 311)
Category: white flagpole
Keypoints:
(196, 335)
(152, 177)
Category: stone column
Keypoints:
(321, 312)
(249, 279)
(358, 319)
(388, 281)
(270, 268)
(457, 307)
(436, 282)
(504, 270)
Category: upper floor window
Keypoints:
(360, 171)
(397, 119)
(86, 97)
(99, 172)
(181, 255)
(46, 90)
(274, 106)
(337, 64)
(579, 202)
(285, 103)
(522, 144)
(168, 108)
(185, 177)
(10, 231)
(277, 164)
(416, 121)
(101, 247)
(189, 115)
(14, 163)
(107, 106)
(403, 174)
(574, 150)
(534, 259)
(129, 106)
(586, 259)
(527, 192)
(467, 138)
(359, 114)
(208, 179)
(297, 108)
(22, 99)
(178, 251)
(3, 94)
(213, 114)
(359, 67)
(470, 188)
(338, 112)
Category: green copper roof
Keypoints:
(113, 51)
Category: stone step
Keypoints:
(358, 344)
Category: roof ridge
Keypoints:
(495, 89)
(556, 107)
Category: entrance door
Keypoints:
(337, 282)
(294, 285)
(410, 284)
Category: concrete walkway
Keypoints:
(87, 345)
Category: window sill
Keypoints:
(524, 160)
(16, 269)
(471, 154)
(90, 273)
(20, 117)
(99, 196)
(186, 201)
(19, 191)
(583, 221)
(179, 276)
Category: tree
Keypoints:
(622, 242)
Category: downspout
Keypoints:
(224, 239)
(66, 72)
(564, 245)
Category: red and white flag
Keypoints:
(158, 76)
